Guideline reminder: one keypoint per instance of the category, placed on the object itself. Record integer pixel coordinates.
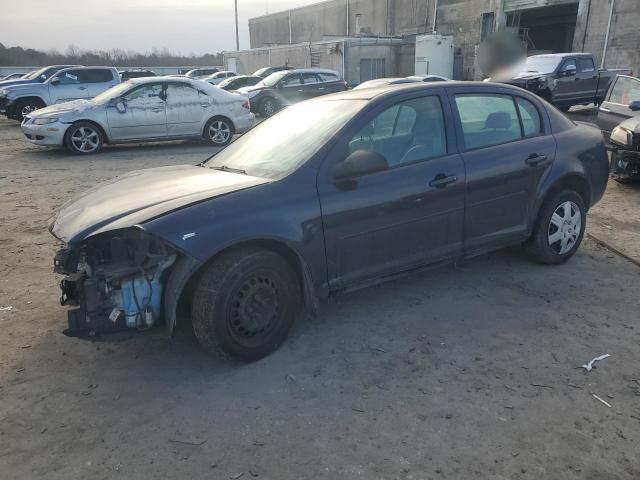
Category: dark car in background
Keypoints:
(563, 79)
(266, 71)
(329, 195)
(241, 81)
(619, 120)
(291, 86)
(135, 73)
(38, 76)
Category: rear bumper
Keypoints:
(245, 122)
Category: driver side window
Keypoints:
(569, 65)
(407, 132)
(141, 94)
(291, 80)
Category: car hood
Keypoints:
(74, 106)
(140, 196)
(11, 83)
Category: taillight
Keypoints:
(247, 105)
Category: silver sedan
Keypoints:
(144, 109)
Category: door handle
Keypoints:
(603, 109)
(301, 90)
(82, 88)
(441, 180)
(534, 159)
(204, 105)
(321, 88)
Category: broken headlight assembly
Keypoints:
(115, 279)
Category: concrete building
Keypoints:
(544, 25)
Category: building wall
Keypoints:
(624, 35)
(460, 18)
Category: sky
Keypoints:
(182, 26)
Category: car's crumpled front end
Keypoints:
(115, 279)
(625, 149)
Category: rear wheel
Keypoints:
(218, 131)
(83, 138)
(559, 230)
(25, 107)
(245, 304)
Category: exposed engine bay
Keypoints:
(115, 279)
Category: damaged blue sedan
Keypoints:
(327, 196)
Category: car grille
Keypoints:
(33, 137)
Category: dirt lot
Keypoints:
(464, 372)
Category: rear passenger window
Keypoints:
(405, 133)
(586, 65)
(309, 78)
(96, 76)
(487, 119)
(328, 77)
(531, 125)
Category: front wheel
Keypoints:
(268, 107)
(245, 304)
(559, 230)
(83, 138)
(25, 107)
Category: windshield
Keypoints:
(261, 71)
(274, 78)
(37, 73)
(113, 92)
(280, 144)
(228, 81)
(540, 64)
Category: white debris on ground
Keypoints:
(591, 365)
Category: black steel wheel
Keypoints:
(245, 304)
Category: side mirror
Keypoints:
(360, 162)
(120, 105)
(569, 72)
(634, 106)
(55, 80)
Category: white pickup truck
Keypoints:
(17, 101)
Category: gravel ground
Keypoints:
(467, 371)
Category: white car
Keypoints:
(142, 109)
(218, 77)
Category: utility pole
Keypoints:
(237, 34)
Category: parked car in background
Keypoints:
(380, 82)
(266, 71)
(143, 109)
(291, 86)
(234, 83)
(619, 120)
(37, 76)
(17, 101)
(218, 77)
(618, 105)
(201, 72)
(327, 196)
(563, 79)
(136, 73)
(13, 76)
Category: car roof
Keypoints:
(311, 70)
(562, 55)
(390, 90)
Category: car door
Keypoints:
(507, 147)
(68, 85)
(185, 108)
(615, 108)
(141, 114)
(408, 214)
(586, 78)
(98, 80)
(313, 87)
(291, 89)
(565, 88)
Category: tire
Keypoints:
(559, 229)
(24, 107)
(268, 107)
(245, 304)
(564, 109)
(83, 138)
(219, 131)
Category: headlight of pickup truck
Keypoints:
(622, 136)
(3, 93)
(44, 120)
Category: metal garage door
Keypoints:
(371, 68)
